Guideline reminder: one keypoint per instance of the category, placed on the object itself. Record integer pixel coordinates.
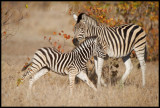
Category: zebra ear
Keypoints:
(95, 39)
(75, 17)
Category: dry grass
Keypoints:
(53, 89)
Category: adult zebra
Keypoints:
(72, 63)
(98, 61)
(116, 41)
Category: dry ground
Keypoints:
(53, 89)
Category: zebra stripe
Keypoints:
(117, 41)
(86, 19)
(72, 63)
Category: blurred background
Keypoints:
(145, 14)
(27, 26)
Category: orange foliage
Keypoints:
(28, 59)
(54, 33)
(49, 38)
(65, 35)
(54, 44)
(62, 50)
(4, 33)
(44, 37)
(143, 13)
(59, 47)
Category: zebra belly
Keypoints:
(59, 69)
(111, 53)
(60, 72)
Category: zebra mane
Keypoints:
(84, 42)
(82, 14)
(80, 17)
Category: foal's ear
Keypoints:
(95, 37)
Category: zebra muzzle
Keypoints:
(75, 42)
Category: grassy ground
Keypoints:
(53, 89)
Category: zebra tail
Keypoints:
(145, 54)
(26, 66)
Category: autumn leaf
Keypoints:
(111, 18)
(62, 31)
(44, 37)
(26, 5)
(107, 21)
(62, 50)
(54, 44)
(19, 81)
(26, 63)
(59, 47)
(4, 33)
(88, 10)
(65, 35)
(54, 33)
(59, 33)
(101, 16)
(79, 12)
(70, 11)
(28, 59)
(49, 38)
(68, 37)
(104, 10)
(99, 8)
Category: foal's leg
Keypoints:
(83, 77)
(99, 72)
(36, 77)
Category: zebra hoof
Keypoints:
(95, 89)
(121, 84)
(105, 85)
(98, 86)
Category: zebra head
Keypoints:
(82, 22)
(79, 32)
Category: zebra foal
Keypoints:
(72, 63)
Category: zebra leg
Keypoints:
(140, 56)
(96, 65)
(37, 76)
(72, 75)
(83, 77)
(143, 68)
(99, 71)
(129, 67)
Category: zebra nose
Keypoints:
(75, 42)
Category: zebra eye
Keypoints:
(81, 29)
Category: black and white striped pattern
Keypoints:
(86, 19)
(117, 42)
(72, 63)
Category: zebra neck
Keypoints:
(84, 50)
(92, 31)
